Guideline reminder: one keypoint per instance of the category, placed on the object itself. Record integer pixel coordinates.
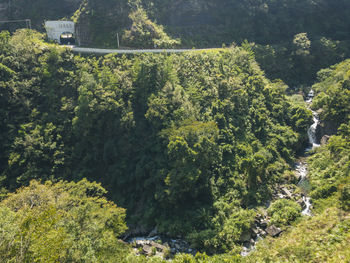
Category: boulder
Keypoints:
(325, 139)
(141, 243)
(159, 247)
(281, 196)
(147, 250)
(273, 231)
(263, 233)
(287, 192)
(325, 128)
(255, 232)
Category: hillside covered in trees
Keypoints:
(200, 146)
(273, 27)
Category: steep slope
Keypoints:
(185, 142)
(274, 26)
(202, 22)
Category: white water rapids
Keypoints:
(301, 167)
(311, 133)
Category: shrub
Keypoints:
(284, 212)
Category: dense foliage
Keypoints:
(194, 144)
(186, 142)
(284, 212)
(203, 21)
(145, 33)
(62, 222)
(334, 94)
(292, 39)
(324, 237)
(330, 166)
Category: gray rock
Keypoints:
(153, 233)
(141, 243)
(273, 231)
(281, 196)
(287, 192)
(147, 250)
(255, 232)
(159, 247)
(325, 139)
(263, 233)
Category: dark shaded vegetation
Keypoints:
(276, 28)
(324, 237)
(186, 142)
(194, 144)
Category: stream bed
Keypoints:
(163, 246)
(301, 170)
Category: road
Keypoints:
(131, 51)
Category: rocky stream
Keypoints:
(261, 226)
(155, 244)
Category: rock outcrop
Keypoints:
(273, 231)
(325, 129)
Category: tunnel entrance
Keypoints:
(67, 38)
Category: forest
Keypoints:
(272, 27)
(199, 147)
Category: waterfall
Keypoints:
(307, 210)
(312, 130)
(301, 167)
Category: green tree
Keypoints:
(66, 222)
(284, 212)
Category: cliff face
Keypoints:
(99, 21)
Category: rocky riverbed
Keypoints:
(154, 244)
(262, 227)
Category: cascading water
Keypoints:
(301, 167)
(312, 130)
(307, 210)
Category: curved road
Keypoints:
(131, 51)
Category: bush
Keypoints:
(323, 191)
(283, 212)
